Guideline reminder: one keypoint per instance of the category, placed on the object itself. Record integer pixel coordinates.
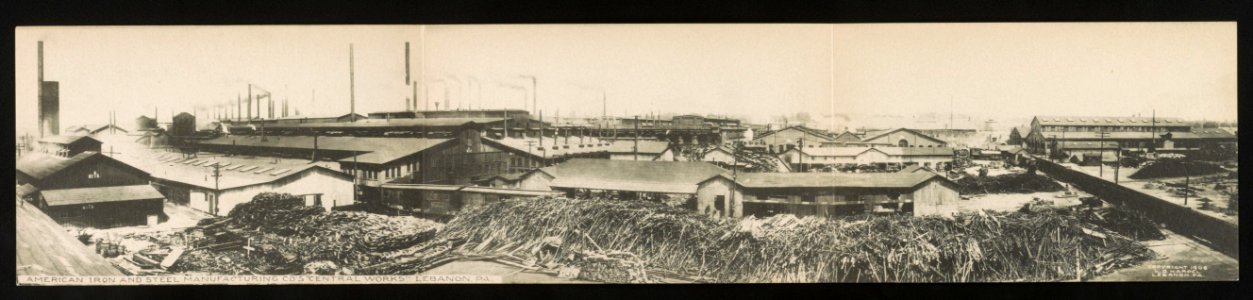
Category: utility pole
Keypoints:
(217, 173)
(1100, 161)
(1153, 134)
(801, 153)
(1117, 162)
(635, 150)
(735, 173)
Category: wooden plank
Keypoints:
(172, 258)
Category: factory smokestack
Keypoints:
(49, 101)
(407, 63)
(250, 102)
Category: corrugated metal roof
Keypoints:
(385, 123)
(890, 151)
(66, 139)
(1209, 133)
(100, 194)
(659, 176)
(870, 137)
(823, 136)
(375, 150)
(568, 146)
(40, 165)
(1106, 121)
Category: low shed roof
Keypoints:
(100, 195)
(628, 175)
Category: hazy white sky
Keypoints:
(1181, 69)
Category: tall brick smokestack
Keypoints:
(49, 101)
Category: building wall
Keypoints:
(708, 192)
(538, 181)
(108, 214)
(933, 196)
(336, 191)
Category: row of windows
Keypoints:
(1113, 128)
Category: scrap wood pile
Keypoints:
(1175, 168)
(1129, 223)
(1008, 183)
(284, 235)
(984, 246)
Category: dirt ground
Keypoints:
(1180, 259)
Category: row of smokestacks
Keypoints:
(244, 106)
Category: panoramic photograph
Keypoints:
(627, 153)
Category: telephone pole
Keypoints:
(635, 150)
(1100, 160)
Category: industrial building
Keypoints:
(902, 137)
(709, 185)
(68, 145)
(1087, 135)
(216, 184)
(88, 188)
(779, 141)
(144, 123)
(882, 157)
(95, 129)
(837, 194)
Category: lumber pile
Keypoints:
(624, 241)
(1008, 183)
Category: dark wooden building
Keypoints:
(68, 145)
(184, 125)
(89, 188)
